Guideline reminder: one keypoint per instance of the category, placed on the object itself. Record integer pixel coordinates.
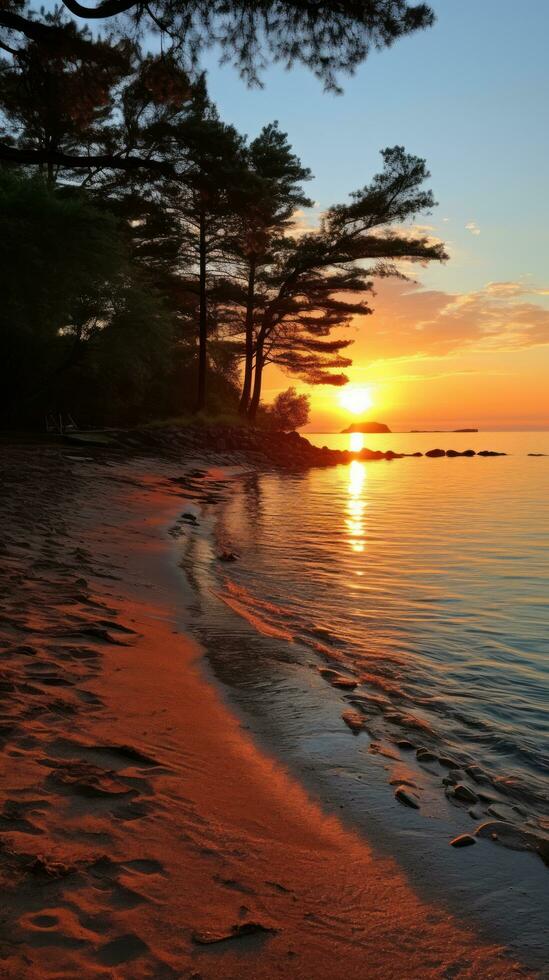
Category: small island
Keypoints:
(442, 430)
(367, 427)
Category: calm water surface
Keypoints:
(425, 580)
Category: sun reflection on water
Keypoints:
(356, 442)
(356, 505)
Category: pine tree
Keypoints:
(270, 192)
(309, 277)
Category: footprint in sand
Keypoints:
(121, 950)
(56, 927)
(144, 866)
(85, 779)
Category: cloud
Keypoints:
(303, 223)
(473, 227)
(410, 322)
(442, 375)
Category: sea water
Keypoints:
(426, 581)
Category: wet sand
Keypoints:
(143, 834)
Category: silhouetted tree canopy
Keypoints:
(155, 248)
(319, 281)
(329, 38)
(289, 411)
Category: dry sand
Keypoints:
(138, 820)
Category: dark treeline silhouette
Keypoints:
(151, 263)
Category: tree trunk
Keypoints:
(249, 349)
(203, 315)
(259, 365)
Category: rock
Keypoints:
(228, 556)
(338, 680)
(476, 773)
(516, 838)
(490, 452)
(537, 454)
(377, 748)
(449, 780)
(405, 744)
(464, 840)
(403, 796)
(448, 763)
(475, 814)
(435, 453)
(424, 755)
(354, 720)
(507, 834)
(345, 683)
(462, 792)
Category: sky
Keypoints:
(466, 343)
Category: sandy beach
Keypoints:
(143, 832)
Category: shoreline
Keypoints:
(143, 820)
(286, 685)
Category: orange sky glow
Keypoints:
(431, 358)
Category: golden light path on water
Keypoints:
(356, 504)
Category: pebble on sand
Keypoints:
(464, 840)
(403, 796)
(338, 680)
(354, 720)
(462, 792)
(228, 556)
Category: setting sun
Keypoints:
(356, 400)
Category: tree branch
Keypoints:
(109, 8)
(55, 37)
(33, 29)
(105, 161)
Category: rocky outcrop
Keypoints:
(288, 450)
(285, 449)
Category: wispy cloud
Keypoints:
(443, 375)
(303, 223)
(413, 323)
(473, 227)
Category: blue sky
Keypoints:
(471, 95)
